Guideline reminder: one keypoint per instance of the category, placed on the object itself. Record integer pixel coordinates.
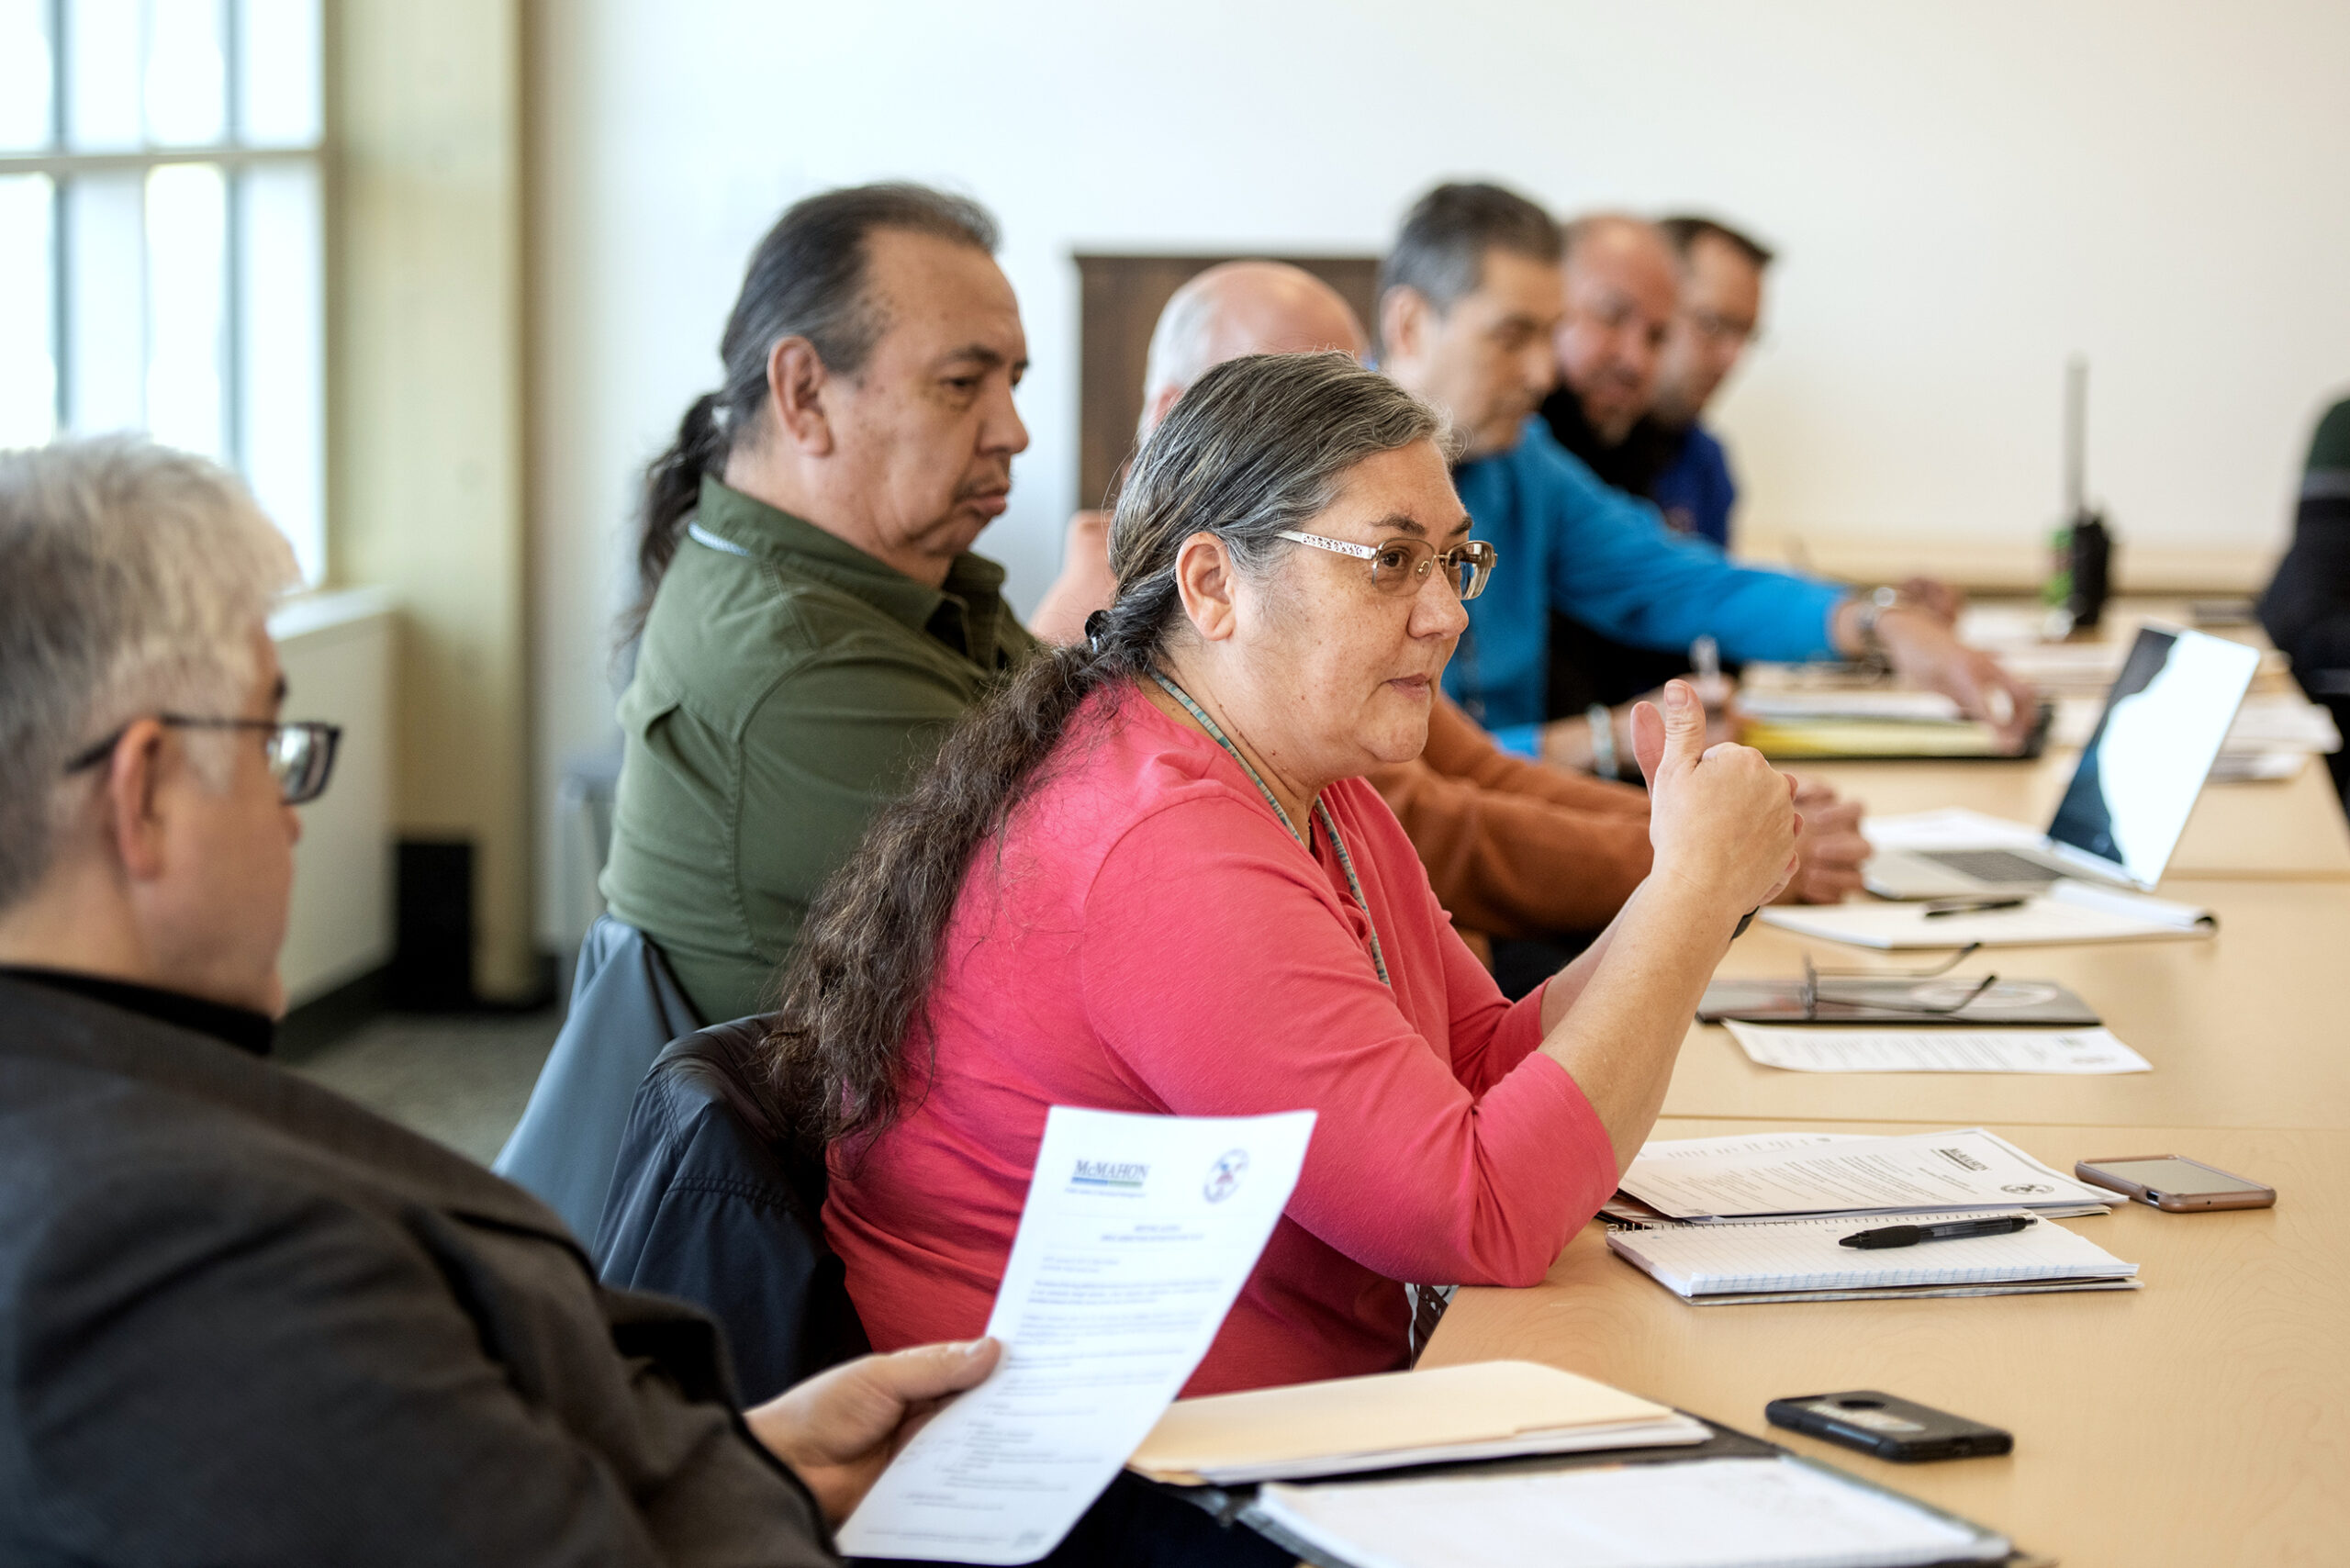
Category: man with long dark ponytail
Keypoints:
(811, 619)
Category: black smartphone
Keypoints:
(1887, 1426)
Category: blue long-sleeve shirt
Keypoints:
(1695, 492)
(1561, 538)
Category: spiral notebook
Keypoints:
(1802, 1260)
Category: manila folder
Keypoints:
(1485, 1408)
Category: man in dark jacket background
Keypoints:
(244, 1320)
(2307, 607)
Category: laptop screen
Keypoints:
(2163, 722)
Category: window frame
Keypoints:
(234, 157)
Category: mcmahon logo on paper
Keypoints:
(1224, 1176)
(1109, 1175)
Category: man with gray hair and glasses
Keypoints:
(246, 1320)
(1471, 294)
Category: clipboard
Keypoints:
(1238, 1505)
(1908, 1000)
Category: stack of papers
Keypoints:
(2067, 911)
(1785, 1176)
(1759, 1217)
(1839, 1048)
(1885, 706)
(2273, 737)
(1755, 1261)
(1781, 1512)
(1484, 1410)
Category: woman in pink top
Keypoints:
(1149, 877)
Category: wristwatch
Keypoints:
(1874, 604)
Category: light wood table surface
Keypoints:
(2204, 1419)
(2247, 1028)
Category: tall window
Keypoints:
(160, 235)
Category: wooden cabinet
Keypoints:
(1121, 297)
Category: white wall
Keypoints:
(337, 652)
(1964, 194)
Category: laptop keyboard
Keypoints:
(1992, 864)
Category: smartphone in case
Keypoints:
(2175, 1184)
(1887, 1426)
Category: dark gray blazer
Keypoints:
(243, 1321)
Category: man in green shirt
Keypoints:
(815, 622)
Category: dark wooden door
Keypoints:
(1121, 297)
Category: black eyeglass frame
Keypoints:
(1808, 993)
(294, 789)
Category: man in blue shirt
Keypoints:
(1469, 298)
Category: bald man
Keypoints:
(1528, 856)
(1232, 308)
(1623, 285)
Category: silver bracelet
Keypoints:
(1873, 605)
(1603, 740)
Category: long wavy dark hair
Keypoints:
(807, 279)
(1257, 446)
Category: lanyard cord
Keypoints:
(1321, 810)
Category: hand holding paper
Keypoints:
(1139, 1234)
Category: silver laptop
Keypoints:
(2131, 792)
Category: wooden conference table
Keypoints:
(2202, 1420)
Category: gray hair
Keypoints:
(131, 579)
(1258, 444)
(1440, 251)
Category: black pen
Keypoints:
(1948, 1230)
(1936, 912)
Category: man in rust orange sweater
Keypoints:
(1522, 853)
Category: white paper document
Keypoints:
(1798, 707)
(1842, 1049)
(1919, 1173)
(1739, 1144)
(1139, 1234)
(1719, 1513)
(1775, 1259)
(2068, 911)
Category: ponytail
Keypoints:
(672, 490)
(807, 279)
(853, 993)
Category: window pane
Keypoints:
(186, 80)
(102, 57)
(105, 303)
(277, 77)
(24, 75)
(186, 271)
(282, 320)
(28, 371)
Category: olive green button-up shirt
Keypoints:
(787, 687)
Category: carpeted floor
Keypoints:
(461, 1079)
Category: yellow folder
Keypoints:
(1484, 1410)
